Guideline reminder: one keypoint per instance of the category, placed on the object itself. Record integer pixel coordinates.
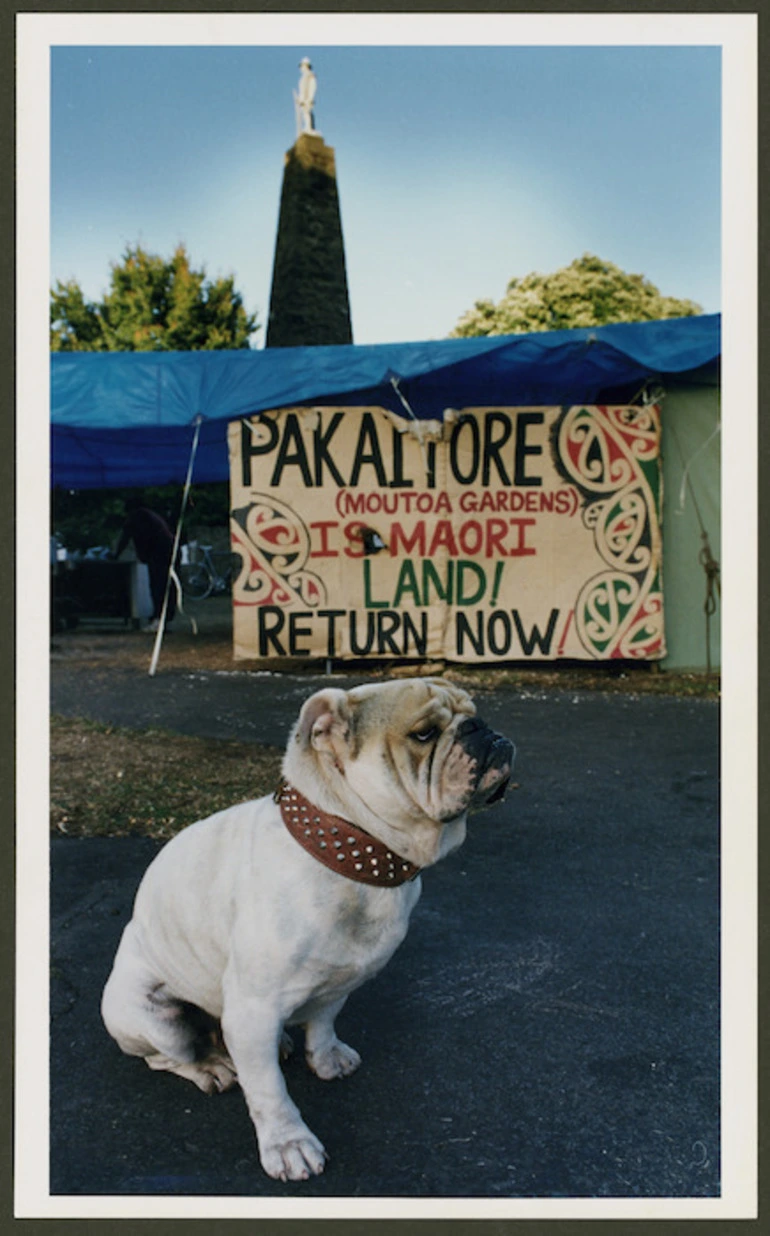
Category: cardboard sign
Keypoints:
(498, 534)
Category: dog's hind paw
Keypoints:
(212, 1075)
(337, 1060)
(297, 1159)
(222, 1072)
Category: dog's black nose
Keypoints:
(484, 742)
(478, 737)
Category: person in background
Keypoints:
(154, 545)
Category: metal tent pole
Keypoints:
(177, 536)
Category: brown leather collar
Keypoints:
(340, 845)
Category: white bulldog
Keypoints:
(270, 913)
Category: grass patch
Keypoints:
(107, 781)
(102, 651)
(625, 680)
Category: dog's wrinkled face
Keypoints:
(410, 750)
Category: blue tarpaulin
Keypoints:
(126, 418)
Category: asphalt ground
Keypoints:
(549, 1028)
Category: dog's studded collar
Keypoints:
(340, 845)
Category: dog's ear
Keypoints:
(324, 720)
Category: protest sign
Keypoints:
(497, 534)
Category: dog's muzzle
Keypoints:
(494, 755)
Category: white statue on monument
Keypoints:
(304, 99)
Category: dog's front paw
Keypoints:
(299, 1158)
(336, 1060)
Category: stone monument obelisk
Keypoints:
(309, 296)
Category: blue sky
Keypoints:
(458, 167)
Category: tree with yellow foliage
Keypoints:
(588, 292)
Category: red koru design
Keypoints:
(274, 546)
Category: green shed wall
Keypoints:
(690, 433)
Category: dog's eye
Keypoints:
(425, 735)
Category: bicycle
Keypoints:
(199, 575)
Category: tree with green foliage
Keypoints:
(588, 292)
(153, 305)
